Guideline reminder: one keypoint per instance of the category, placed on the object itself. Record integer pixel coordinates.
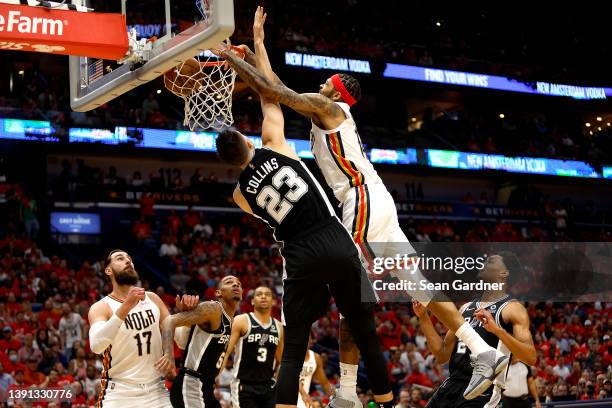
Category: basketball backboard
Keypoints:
(184, 29)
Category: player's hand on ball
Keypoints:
(249, 55)
(487, 320)
(419, 310)
(258, 24)
(134, 296)
(165, 365)
(186, 302)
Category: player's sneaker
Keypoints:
(342, 401)
(486, 366)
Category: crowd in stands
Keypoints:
(45, 298)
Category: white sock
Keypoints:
(472, 340)
(348, 379)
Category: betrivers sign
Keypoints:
(15, 22)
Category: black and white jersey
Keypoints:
(205, 351)
(282, 191)
(255, 351)
(459, 364)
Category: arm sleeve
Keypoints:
(101, 334)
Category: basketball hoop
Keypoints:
(206, 84)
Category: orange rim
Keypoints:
(237, 50)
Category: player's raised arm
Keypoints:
(104, 324)
(206, 312)
(441, 348)
(262, 62)
(239, 329)
(520, 342)
(273, 125)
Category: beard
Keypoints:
(127, 277)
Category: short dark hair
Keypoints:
(107, 261)
(231, 147)
(514, 266)
(352, 86)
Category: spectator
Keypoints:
(137, 180)
(389, 333)
(29, 350)
(416, 399)
(561, 393)
(197, 180)
(142, 230)
(31, 374)
(168, 248)
(397, 371)
(179, 280)
(404, 399)
(50, 357)
(19, 379)
(91, 381)
(29, 210)
(71, 327)
(149, 105)
(165, 297)
(111, 178)
(6, 380)
(417, 377)
(561, 370)
(77, 367)
(8, 341)
(147, 210)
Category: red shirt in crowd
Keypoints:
(146, 205)
(419, 378)
(142, 230)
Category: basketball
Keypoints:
(184, 79)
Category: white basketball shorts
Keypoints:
(117, 394)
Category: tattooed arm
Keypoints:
(208, 313)
(313, 104)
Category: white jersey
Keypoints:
(137, 346)
(340, 155)
(306, 374)
(72, 326)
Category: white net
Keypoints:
(206, 85)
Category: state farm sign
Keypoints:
(68, 32)
(15, 21)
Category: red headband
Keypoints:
(339, 86)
